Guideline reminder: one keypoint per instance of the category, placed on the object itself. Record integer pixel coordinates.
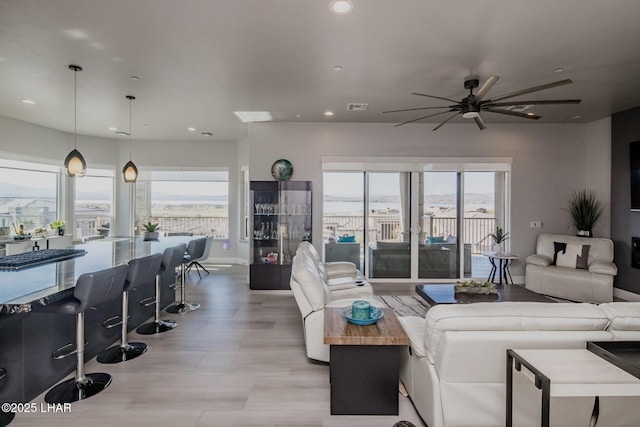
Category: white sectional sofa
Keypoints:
(591, 284)
(316, 285)
(455, 366)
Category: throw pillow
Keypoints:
(570, 255)
(347, 239)
(438, 239)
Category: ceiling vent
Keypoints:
(518, 108)
(354, 106)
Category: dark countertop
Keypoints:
(50, 282)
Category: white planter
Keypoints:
(497, 248)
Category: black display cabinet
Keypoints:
(281, 220)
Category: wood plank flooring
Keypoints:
(237, 361)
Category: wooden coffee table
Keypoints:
(444, 294)
(365, 363)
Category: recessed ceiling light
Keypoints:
(191, 129)
(558, 70)
(341, 7)
(28, 101)
(530, 114)
(134, 78)
(253, 116)
(112, 128)
(298, 115)
(338, 68)
(328, 113)
(576, 117)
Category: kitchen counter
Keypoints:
(46, 283)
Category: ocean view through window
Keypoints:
(184, 202)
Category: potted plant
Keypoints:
(40, 232)
(498, 237)
(59, 226)
(21, 234)
(585, 210)
(151, 231)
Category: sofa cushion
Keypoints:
(510, 316)
(436, 239)
(623, 316)
(603, 268)
(600, 250)
(541, 260)
(347, 239)
(304, 272)
(570, 255)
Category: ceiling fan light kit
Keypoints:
(472, 105)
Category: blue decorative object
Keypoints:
(282, 169)
(347, 239)
(360, 310)
(375, 314)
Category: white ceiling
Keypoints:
(200, 60)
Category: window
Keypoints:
(28, 196)
(244, 201)
(94, 203)
(184, 202)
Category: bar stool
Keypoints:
(195, 262)
(5, 417)
(91, 289)
(141, 272)
(171, 259)
(195, 249)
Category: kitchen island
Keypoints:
(30, 341)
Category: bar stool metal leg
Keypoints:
(183, 306)
(158, 325)
(126, 350)
(83, 385)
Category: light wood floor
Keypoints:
(237, 361)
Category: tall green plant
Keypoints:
(585, 209)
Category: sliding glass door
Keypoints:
(429, 223)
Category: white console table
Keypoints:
(568, 373)
(48, 242)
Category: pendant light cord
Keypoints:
(75, 109)
(130, 129)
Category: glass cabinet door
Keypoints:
(281, 220)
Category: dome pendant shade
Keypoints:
(130, 172)
(74, 164)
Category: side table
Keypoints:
(504, 261)
(365, 363)
(568, 373)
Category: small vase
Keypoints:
(497, 248)
(60, 231)
(584, 233)
(150, 235)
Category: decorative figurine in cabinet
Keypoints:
(281, 220)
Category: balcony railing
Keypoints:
(215, 226)
(387, 228)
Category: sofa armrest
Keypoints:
(541, 260)
(340, 269)
(602, 267)
(341, 283)
(415, 328)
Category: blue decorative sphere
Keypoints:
(282, 169)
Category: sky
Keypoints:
(350, 183)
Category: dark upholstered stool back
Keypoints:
(143, 271)
(100, 286)
(173, 257)
(195, 249)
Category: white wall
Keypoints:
(598, 169)
(549, 161)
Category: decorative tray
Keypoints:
(624, 354)
(374, 315)
(475, 287)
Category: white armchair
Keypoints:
(313, 294)
(591, 283)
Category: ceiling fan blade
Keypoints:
(416, 109)
(532, 89)
(479, 122)
(486, 87)
(546, 102)
(443, 123)
(513, 113)
(420, 118)
(436, 97)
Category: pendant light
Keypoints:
(130, 171)
(74, 163)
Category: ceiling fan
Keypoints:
(471, 106)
